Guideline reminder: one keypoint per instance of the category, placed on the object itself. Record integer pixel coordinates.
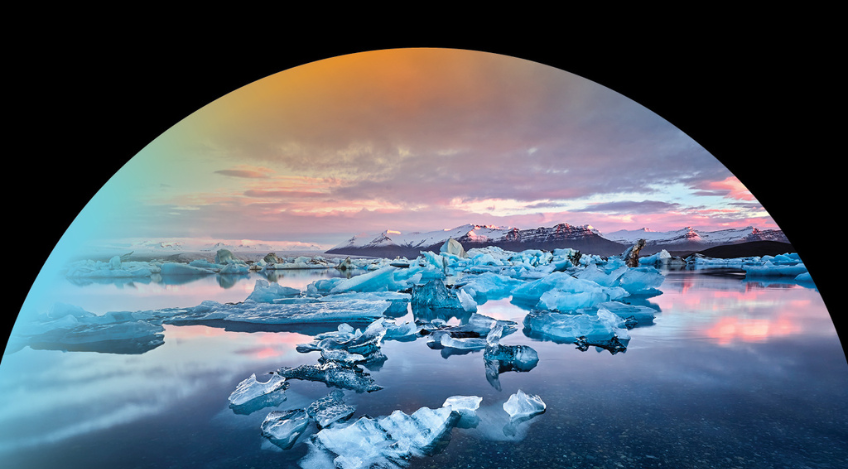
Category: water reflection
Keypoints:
(721, 363)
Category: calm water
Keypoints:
(731, 374)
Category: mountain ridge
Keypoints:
(585, 238)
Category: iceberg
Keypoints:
(399, 301)
(434, 295)
(562, 292)
(599, 329)
(284, 427)
(175, 268)
(378, 280)
(225, 256)
(333, 374)
(804, 278)
(387, 442)
(250, 389)
(115, 268)
(502, 358)
(599, 276)
(521, 405)
(69, 327)
(297, 313)
(266, 292)
(235, 269)
(204, 264)
(642, 281)
(489, 286)
(463, 404)
(330, 409)
(634, 315)
(356, 347)
(531, 292)
(466, 301)
(453, 247)
(445, 339)
(769, 269)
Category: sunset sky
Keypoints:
(416, 140)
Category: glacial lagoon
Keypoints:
(731, 372)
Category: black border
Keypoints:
(763, 108)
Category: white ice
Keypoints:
(267, 292)
(284, 427)
(568, 327)
(250, 389)
(520, 405)
(386, 442)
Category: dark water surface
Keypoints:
(731, 374)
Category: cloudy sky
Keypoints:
(417, 140)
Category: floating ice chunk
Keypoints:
(284, 427)
(225, 256)
(115, 268)
(463, 404)
(341, 375)
(502, 358)
(204, 264)
(483, 324)
(330, 409)
(266, 292)
(466, 301)
(383, 442)
(641, 315)
(250, 389)
(66, 324)
(454, 247)
(600, 328)
(562, 292)
(599, 276)
(769, 269)
(434, 295)
(521, 405)
(59, 310)
(641, 280)
(265, 313)
(235, 269)
(377, 280)
(512, 357)
(399, 301)
(175, 268)
(490, 286)
(406, 330)
(805, 277)
(569, 301)
(323, 286)
(444, 338)
(357, 347)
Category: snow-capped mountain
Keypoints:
(689, 238)
(394, 243)
(585, 238)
